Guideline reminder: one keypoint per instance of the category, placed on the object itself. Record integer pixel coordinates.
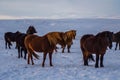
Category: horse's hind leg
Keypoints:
(97, 61)
(25, 53)
(50, 58)
(85, 57)
(19, 51)
(44, 58)
(63, 48)
(6, 44)
(116, 45)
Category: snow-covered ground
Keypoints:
(67, 66)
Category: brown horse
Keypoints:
(44, 44)
(97, 45)
(64, 39)
(117, 39)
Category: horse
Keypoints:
(117, 39)
(10, 37)
(82, 40)
(45, 44)
(20, 41)
(68, 39)
(31, 30)
(98, 45)
(20, 45)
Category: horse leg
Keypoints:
(9, 44)
(21, 52)
(32, 59)
(63, 48)
(101, 60)
(25, 53)
(50, 58)
(28, 60)
(18, 51)
(68, 47)
(119, 45)
(116, 45)
(6, 44)
(85, 56)
(97, 61)
(44, 58)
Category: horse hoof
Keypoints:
(101, 66)
(51, 65)
(96, 66)
(43, 65)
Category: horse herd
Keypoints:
(89, 44)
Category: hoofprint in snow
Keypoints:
(67, 66)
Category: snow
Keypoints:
(67, 66)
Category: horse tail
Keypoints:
(35, 55)
(32, 52)
(90, 57)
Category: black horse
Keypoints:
(20, 41)
(31, 30)
(117, 39)
(10, 37)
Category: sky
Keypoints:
(59, 9)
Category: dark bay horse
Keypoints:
(44, 44)
(82, 40)
(97, 45)
(117, 39)
(31, 29)
(20, 41)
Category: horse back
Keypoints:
(40, 44)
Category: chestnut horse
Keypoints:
(97, 45)
(68, 39)
(64, 39)
(34, 43)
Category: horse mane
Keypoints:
(69, 35)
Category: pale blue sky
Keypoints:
(60, 8)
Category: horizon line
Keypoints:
(4, 17)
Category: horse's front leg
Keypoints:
(50, 58)
(119, 45)
(44, 58)
(101, 60)
(68, 47)
(97, 60)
